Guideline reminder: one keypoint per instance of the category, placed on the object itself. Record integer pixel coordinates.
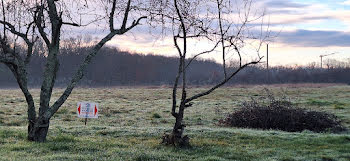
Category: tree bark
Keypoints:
(178, 126)
(176, 138)
(37, 131)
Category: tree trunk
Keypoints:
(178, 127)
(37, 131)
(176, 138)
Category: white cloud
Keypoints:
(346, 2)
(309, 14)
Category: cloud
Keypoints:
(346, 2)
(284, 4)
(307, 38)
(328, 16)
(293, 19)
(285, 12)
(284, 7)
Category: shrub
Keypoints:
(156, 115)
(280, 114)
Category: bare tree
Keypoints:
(24, 22)
(230, 37)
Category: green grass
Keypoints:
(132, 121)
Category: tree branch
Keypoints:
(80, 72)
(7, 49)
(78, 75)
(199, 54)
(71, 24)
(126, 15)
(111, 16)
(12, 29)
(52, 62)
(29, 52)
(21, 77)
(219, 3)
(38, 15)
(177, 46)
(221, 83)
(134, 23)
(173, 109)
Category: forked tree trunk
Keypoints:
(179, 127)
(37, 131)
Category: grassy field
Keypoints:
(132, 121)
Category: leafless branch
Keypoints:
(71, 24)
(126, 15)
(80, 72)
(222, 82)
(13, 30)
(202, 53)
(38, 18)
(111, 17)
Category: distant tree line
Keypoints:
(281, 74)
(117, 68)
(113, 68)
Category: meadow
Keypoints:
(132, 121)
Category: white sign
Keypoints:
(87, 110)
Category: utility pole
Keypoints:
(267, 63)
(267, 57)
(321, 56)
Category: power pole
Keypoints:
(267, 57)
(321, 56)
(267, 63)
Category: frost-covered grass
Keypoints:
(132, 121)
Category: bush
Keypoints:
(156, 115)
(280, 114)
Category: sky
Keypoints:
(307, 29)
